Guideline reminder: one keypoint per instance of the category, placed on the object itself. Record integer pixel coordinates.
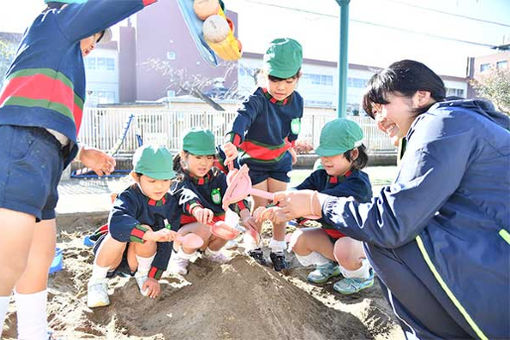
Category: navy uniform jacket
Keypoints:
(354, 184)
(131, 209)
(265, 129)
(451, 201)
(206, 192)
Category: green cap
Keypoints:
(199, 142)
(338, 136)
(283, 58)
(154, 161)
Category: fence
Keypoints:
(104, 128)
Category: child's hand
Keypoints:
(152, 287)
(230, 153)
(293, 153)
(162, 235)
(261, 214)
(97, 160)
(203, 215)
(248, 220)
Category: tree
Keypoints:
(495, 86)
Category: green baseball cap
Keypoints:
(154, 161)
(283, 58)
(199, 142)
(338, 136)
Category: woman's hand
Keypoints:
(152, 287)
(292, 204)
(203, 215)
(247, 220)
(97, 160)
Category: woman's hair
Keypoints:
(53, 5)
(273, 78)
(362, 160)
(405, 77)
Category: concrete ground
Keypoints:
(82, 196)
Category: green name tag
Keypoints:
(295, 126)
(216, 196)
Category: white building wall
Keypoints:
(102, 72)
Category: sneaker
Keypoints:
(97, 295)
(351, 285)
(324, 272)
(258, 256)
(279, 262)
(140, 280)
(178, 265)
(217, 256)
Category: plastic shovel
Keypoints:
(226, 232)
(190, 240)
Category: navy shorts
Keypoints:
(31, 164)
(259, 172)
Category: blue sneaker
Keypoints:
(324, 272)
(352, 285)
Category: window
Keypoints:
(454, 92)
(502, 65)
(356, 82)
(484, 67)
(110, 64)
(90, 63)
(318, 79)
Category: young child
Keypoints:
(41, 105)
(201, 190)
(342, 157)
(139, 227)
(265, 130)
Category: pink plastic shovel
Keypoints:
(226, 232)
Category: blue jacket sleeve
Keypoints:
(354, 187)
(311, 182)
(246, 115)
(435, 161)
(78, 21)
(122, 223)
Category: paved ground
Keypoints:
(79, 196)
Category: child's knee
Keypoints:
(297, 242)
(346, 252)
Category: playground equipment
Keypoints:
(88, 173)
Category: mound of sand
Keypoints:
(237, 300)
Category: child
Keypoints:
(265, 130)
(201, 191)
(342, 157)
(139, 224)
(41, 105)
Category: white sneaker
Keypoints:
(178, 265)
(216, 256)
(140, 280)
(97, 295)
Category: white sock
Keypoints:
(183, 255)
(144, 265)
(314, 258)
(362, 272)
(4, 305)
(31, 312)
(277, 246)
(98, 273)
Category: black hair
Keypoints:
(405, 77)
(53, 5)
(361, 161)
(177, 165)
(297, 75)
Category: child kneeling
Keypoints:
(142, 226)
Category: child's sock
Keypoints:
(144, 265)
(31, 312)
(362, 272)
(277, 246)
(4, 304)
(98, 273)
(314, 258)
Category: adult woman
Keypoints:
(438, 237)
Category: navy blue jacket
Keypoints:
(131, 209)
(451, 200)
(45, 84)
(265, 128)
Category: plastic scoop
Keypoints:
(224, 231)
(239, 187)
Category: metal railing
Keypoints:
(104, 127)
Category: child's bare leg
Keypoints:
(349, 253)
(259, 201)
(110, 253)
(31, 294)
(17, 231)
(274, 185)
(307, 240)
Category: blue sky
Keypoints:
(440, 33)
